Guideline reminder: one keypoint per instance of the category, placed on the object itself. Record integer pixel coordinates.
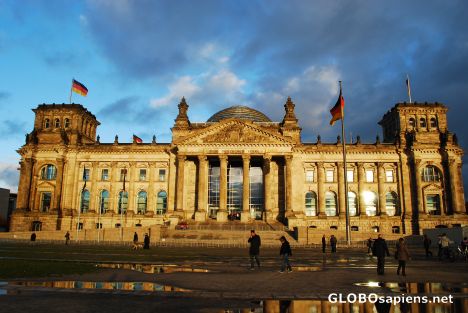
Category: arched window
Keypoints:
(123, 201)
(161, 203)
(84, 207)
(104, 203)
(49, 172)
(431, 174)
(330, 203)
(433, 204)
(46, 123)
(433, 122)
(422, 122)
(57, 123)
(141, 202)
(412, 122)
(352, 203)
(67, 123)
(391, 203)
(310, 204)
(370, 202)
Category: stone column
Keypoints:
(418, 191)
(361, 180)
(341, 191)
(454, 182)
(58, 184)
(152, 193)
(180, 183)
(222, 212)
(132, 198)
(320, 189)
(171, 183)
(267, 186)
(288, 189)
(200, 214)
(381, 188)
(24, 183)
(245, 216)
(405, 185)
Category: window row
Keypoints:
(370, 203)
(56, 123)
(423, 122)
(330, 176)
(122, 204)
(142, 174)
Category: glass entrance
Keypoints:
(234, 201)
(213, 189)
(256, 192)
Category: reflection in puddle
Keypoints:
(321, 306)
(152, 268)
(306, 268)
(418, 288)
(71, 284)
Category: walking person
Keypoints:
(444, 246)
(380, 250)
(67, 238)
(135, 238)
(146, 242)
(33, 238)
(427, 246)
(333, 243)
(402, 255)
(369, 246)
(324, 244)
(254, 249)
(285, 253)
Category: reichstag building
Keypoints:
(241, 167)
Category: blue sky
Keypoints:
(138, 58)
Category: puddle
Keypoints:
(88, 285)
(418, 288)
(321, 306)
(152, 268)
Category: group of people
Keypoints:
(333, 242)
(146, 241)
(379, 249)
(254, 252)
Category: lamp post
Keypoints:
(124, 172)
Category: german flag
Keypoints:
(137, 139)
(337, 110)
(79, 88)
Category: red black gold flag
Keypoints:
(337, 110)
(79, 88)
(137, 139)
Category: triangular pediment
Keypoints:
(234, 131)
(432, 188)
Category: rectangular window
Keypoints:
(329, 176)
(350, 176)
(123, 173)
(389, 176)
(309, 176)
(162, 175)
(105, 174)
(369, 176)
(86, 174)
(433, 204)
(142, 175)
(46, 199)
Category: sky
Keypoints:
(138, 58)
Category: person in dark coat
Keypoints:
(67, 238)
(254, 249)
(135, 238)
(146, 242)
(33, 237)
(427, 246)
(285, 253)
(369, 246)
(333, 243)
(402, 255)
(380, 249)
(324, 244)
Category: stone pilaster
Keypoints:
(245, 216)
(132, 197)
(24, 183)
(381, 188)
(222, 213)
(454, 182)
(267, 186)
(289, 183)
(58, 183)
(418, 191)
(171, 183)
(361, 180)
(180, 183)
(152, 193)
(341, 191)
(321, 189)
(405, 185)
(95, 193)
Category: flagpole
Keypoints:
(120, 206)
(408, 86)
(71, 91)
(348, 229)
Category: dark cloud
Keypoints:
(15, 128)
(64, 58)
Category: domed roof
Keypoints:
(240, 112)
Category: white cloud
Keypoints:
(9, 176)
(183, 87)
(226, 80)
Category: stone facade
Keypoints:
(241, 166)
